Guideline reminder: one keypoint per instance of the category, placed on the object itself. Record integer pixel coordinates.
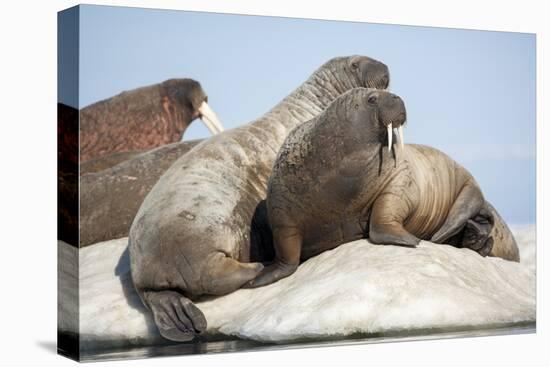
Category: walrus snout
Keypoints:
(401, 118)
(372, 73)
(384, 81)
(393, 115)
(378, 75)
(188, 93)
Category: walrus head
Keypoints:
(370, 72)
(373, 114)
(190, 96)
(344, 73)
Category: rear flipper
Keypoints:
(466, 206)
(225, 274)
(477, 233)
(488, 234)
(176, 317)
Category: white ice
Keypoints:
(355, 288)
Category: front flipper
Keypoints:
(466, 206)
(271, 274)
(176, 317)
(288, 247)
(386, 222)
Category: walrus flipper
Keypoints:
(466, 206)
(227, 274)
(288, 245)
(477, 233)
(176, 317)
(392, 234)
(386, 223)
(271, 274)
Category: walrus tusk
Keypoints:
(401, 138)
(390, 136)
(210, 119)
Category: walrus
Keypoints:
(144, 118)
(192, 234)
(334, 181)
(110, 198)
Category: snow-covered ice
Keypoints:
(525, 236)
(355, 288)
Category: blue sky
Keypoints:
(468, 93)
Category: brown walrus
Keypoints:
(334, 181)
(110, 198)
(111, 187)
(144, 118)
(192, 234)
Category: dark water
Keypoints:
(240, 345)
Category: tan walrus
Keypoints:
(111, 197)
(339, 178)
(192, 234)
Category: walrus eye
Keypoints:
(372, 99)
(354, 65)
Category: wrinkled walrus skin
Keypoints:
(141, 119)
(191, 236)
(336, 179)
(107, 161)
(110, 198)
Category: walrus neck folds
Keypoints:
(313, 96)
